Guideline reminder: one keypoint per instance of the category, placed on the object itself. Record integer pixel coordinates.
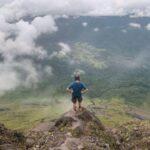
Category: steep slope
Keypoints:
(135, 135)
(81, 130)
(78, 131)
(84, 131)
(11, 140)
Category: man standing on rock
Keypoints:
(77, 88)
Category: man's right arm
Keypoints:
(69, 89)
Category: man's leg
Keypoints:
(80, 102)
(74, 106)
(74, 101)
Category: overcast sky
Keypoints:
(19, 8)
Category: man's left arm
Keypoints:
(84, 89)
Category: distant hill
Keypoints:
(111, 53)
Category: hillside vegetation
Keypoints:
(113, 61)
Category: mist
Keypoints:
(22, 57)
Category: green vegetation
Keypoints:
(26, 114)
(116, 112)
(88, 55)
(115, 70)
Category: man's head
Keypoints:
(77, 78)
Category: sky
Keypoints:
(17, 36)
(14, 9)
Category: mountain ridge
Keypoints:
(78, 131)
(83, 130)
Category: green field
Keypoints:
(25, 114)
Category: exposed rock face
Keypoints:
(74, 131)
(78, 131)
(135, 135)
(11, 140)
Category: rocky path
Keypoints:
(84, 131)
(78, 131)
(72, 131)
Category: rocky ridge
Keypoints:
(80, 130)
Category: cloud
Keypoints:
(140, 61)
(44, 24)
(124, 30)
(18, 40)
(18, 36)
(96, 29)
(65, 49)
(21, 73)
(2, 2)
(10, 77)
(17, 9)
(135, 25)
(84, 24)
(148, 26)
(26, 34)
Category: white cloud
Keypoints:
(124, 30)
(2, 2)
(148, 26)
(84, 24)
(21, 73)
(16, 9)
(11, 78)
(5, 26)
(44, 24)
(133, 63)
(135, 25)
(8, 77)
(48, 70)
(65, 49)
(96, 29)
(17, 37)
(23, 44)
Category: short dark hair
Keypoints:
(77, 77)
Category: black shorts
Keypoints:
(76, 98)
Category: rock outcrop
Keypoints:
(11, 140)
(78, 131)
(73, 131)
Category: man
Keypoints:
(77, 88)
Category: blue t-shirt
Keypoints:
(77, 87)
